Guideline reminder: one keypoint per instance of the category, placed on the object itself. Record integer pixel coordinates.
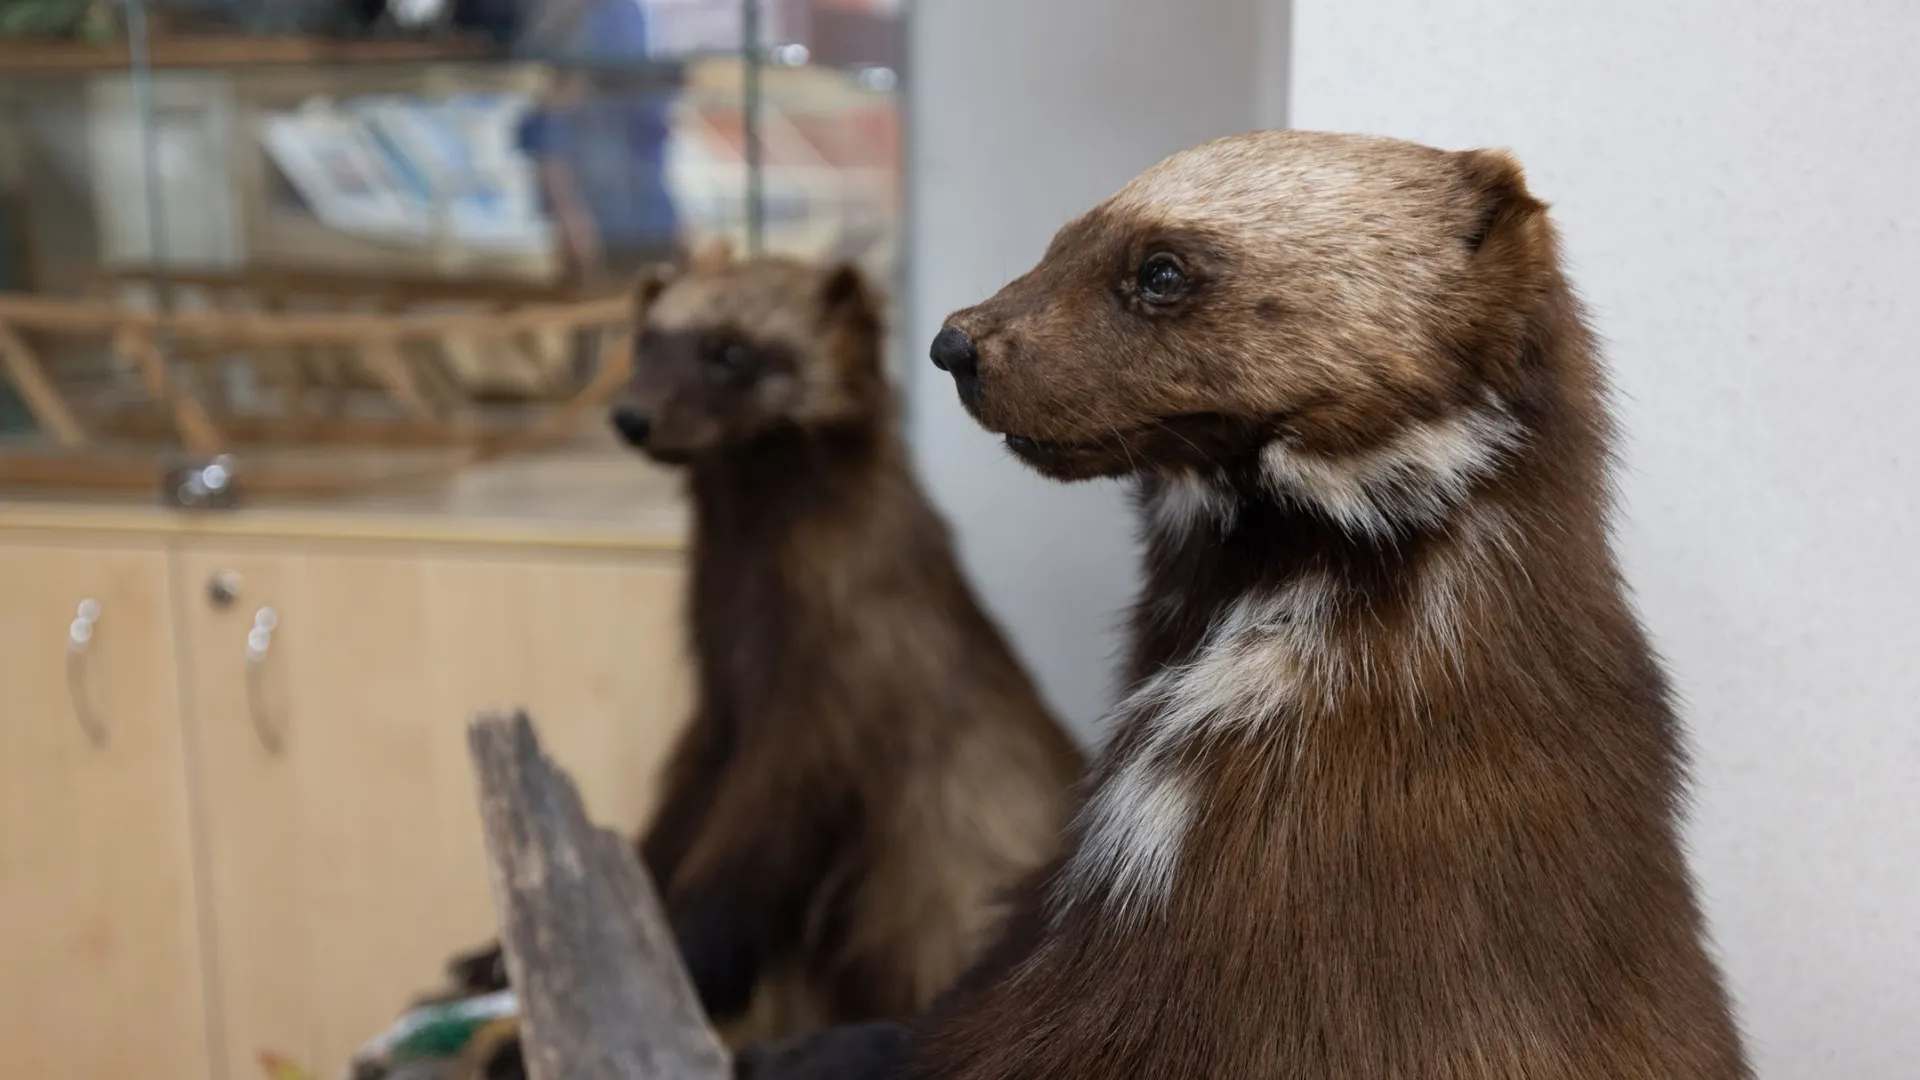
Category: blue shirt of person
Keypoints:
(612, 137)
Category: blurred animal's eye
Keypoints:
(1161, 279)
(729, 356)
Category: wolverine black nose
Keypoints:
(632, 426)
(954, 352)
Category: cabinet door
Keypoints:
(344, 848)
(100, 970)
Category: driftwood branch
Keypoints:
(602, 992)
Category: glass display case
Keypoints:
(361, 249)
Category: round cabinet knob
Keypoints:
(260, 638)
(80, 630)
(223, 588)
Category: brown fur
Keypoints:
(1395, 790)
(869, 770)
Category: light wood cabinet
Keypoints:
(100, 953)
(315, 788)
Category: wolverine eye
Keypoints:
(728, 357)
(1161, 280)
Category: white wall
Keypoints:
(1739, 188)
(1023, 114)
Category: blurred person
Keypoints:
(599, 138)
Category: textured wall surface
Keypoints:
(1024, 115)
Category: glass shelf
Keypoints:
(184, 173)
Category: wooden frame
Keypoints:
(400, 351)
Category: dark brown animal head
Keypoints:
(728, 352)
(1325, 293)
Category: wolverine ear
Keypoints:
(1500, 209)
(846, 292)
(648, 286)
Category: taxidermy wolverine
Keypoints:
(1395, 792)
(869, 770)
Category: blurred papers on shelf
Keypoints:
(413, 170)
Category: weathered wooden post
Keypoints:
(602, 993)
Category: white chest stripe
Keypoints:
(1412, 479)
(1134, 827)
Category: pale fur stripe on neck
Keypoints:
(1189, 499)
(1412, 479)
(1251, 670)
(1271, 652)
